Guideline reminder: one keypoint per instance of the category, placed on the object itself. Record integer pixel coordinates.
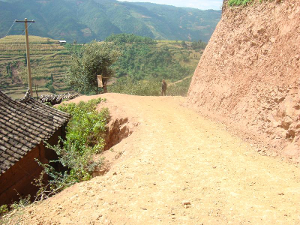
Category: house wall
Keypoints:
(17, 180)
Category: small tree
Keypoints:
(93, 59)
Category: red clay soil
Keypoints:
(249, 74)
(175, 168)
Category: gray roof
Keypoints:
(23, 125)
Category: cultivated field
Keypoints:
(49, 63)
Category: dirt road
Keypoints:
(177, 168)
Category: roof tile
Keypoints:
(23, 125)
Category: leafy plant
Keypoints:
(3, 209)
(179, 88)
(145, 59)
(85, 137)
(21, 203)
(127, 85)
(14, 210)
(94, 59)
(238, 2)
(129, 38)
(152, 87)
(87, 126)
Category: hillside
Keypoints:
(248, 76)
(85, 21)
(49, 63)
(175, 168)
(141, 59)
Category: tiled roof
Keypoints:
(23, 125)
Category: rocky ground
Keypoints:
(175, 168)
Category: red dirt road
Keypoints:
(176, 168)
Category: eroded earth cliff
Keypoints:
(248, 76)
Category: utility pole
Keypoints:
(27, 52)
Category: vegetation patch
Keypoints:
(127, 85)
(244, 2)
(92, 60)
(180, 88)
(151, 87)
(85, 137)
(239, 2)
(49, 60)
(145, 59)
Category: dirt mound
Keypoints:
(248, 76)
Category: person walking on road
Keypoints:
(163, 88)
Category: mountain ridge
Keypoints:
(97, 19)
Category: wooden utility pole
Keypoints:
(27, 52)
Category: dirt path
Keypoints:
(177, 168)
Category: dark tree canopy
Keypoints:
(93, 59)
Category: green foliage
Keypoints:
(80, 168)
(143, 58)
(238, 2)
(50, 87)
(93, 59)
(73, 48)
(198, 45)
(15, 209)
(87, 126)
(3, 209)
(85, 137)
(23, 201)
(180, 88)
(152, 87)
(127, 85)
(9, 70)
(183, 44)
(129, 38)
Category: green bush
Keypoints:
(179, 89)
(127, 85)
(85, 137)
(87, 126)
(144, 59)
(3, 209)
(238, 2)
(152, 87)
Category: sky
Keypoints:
(199, 4)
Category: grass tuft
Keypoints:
(239, 2)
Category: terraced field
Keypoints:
(49, 64)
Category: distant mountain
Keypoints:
(86, 20)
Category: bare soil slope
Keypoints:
(249, 74)
(176, 168)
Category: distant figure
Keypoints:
(163, 88)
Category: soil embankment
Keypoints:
(248, 76)
(176, 168)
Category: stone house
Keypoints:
(25, 127)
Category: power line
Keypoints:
(10, 28)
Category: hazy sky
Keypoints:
(200, 4)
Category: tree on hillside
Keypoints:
(92, 60)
